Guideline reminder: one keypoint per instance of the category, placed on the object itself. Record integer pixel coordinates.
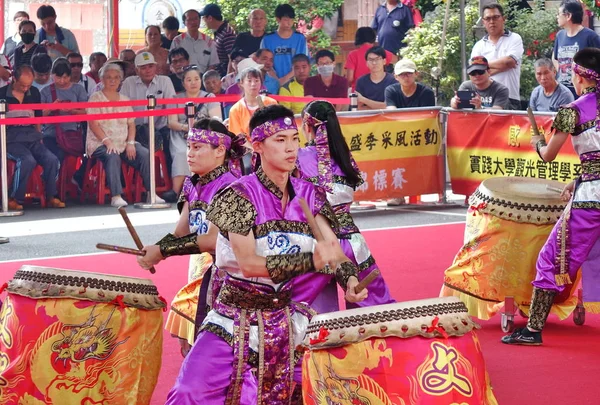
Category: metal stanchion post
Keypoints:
(190, 113)
(5, 212)
(444, 117)
(152, 203)
(353, 101)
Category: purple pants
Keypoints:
(205, 375)
(583, 230)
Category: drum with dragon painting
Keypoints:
(418, 352)
(70, 337)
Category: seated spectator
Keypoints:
(550, 94)
(27, 48)
(251, 81)
(407, 93)
(236, 57)
(23, 142)
(249, 42)
(125, 66)
(212, 84)
(61, 91)
(201, 48)
(76, 62)
(153, 45)
(192, 82)
(285, 42)
(113, 140)
(356, 66)
(295, 87)
(59, 41)
(371, 87)
(11, 43)
(97, 60)
(170, 26)
(223, 32)
(326, 84)
(41, 64)
(488, 92)
(236, 88)
(178, 60)
(264, 57)
(127, 55)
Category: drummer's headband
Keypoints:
(592, 75)
(210, 137)
(270, 128)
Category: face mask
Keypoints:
(326, 70)
(27, 38)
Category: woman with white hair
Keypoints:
(113, 140)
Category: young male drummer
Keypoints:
(578, 229)
(264, 242)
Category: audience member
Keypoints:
(264, 57)
(326, 84)
(61, 91)
(295, 87)
(76, 62)
(251, 81)
(570, 39)
(488, 92)
(201, 48)
(153, 45)
(127, 55)
(223, 32)
(408, 93)
(27, 48)
(41, 63)
(236, 57)
(504, 50)
(285, 42)
(249, 42)
(550, 94)
(371, 87)
(58, 40)
(113, 140)
(170, 26)
(237, 88)
(4, 71)
(23, 142)
(147, 82)
(97, 60)
(355, 62)
(212, 84)
(392, 21)
(178, 60)
(192, 82)
(11, 43)
(125, 67)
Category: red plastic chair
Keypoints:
(94, 182)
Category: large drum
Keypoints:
(419, 352)
(508, 222)
(69, 337)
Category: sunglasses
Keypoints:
(477, 73)
(189, 67)
(74, 65)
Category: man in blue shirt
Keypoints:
(391, 22)
(285, 43)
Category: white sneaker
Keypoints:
(158, 200)
(118, 202)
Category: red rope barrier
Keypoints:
(88, 117)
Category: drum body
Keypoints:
(508, 221)
(417, 352)
(70, 337)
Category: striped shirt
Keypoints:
(224, 38)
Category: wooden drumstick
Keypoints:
(366, 281)
(310, 218)
(555, 189)
(120, 249)
(534, 127)
(133, 233)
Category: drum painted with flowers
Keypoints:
(418, 352)
(508, 222)
(69, 337)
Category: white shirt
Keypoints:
(159, 87)
(91, 84)
(4, 62)
(203, 51)
(509, 44)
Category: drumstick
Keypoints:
(310, 218)
(133, 233)
(366, 281)
(555, 189)
(120, 249)
(534, 127)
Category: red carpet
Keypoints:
(562, 372)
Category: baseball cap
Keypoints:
(478, 63)
(211, 10)
(144, 58)
(246, 64)
(405, 66)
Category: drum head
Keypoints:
(525, 190)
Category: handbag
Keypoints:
(70, 141)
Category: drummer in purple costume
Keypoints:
(263, 244)
(327, 162)
(578, 229)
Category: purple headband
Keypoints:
(592, 75)
(210, 137)
(270, 128)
